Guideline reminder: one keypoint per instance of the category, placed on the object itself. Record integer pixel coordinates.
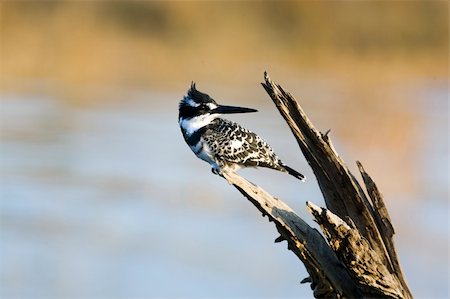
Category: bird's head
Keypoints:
(197, 104)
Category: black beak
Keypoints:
(231, 109)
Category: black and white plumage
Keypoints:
(224, 144)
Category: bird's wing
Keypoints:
(232, 143)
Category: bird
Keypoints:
(225, 145)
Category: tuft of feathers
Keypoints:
(197, 96)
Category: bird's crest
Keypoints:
(197, 96)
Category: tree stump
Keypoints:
(357, 256)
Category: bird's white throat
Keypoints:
(190, 125)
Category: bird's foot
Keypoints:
(216, 171)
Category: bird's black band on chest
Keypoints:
(195, 137)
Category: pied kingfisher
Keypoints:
(222, 143)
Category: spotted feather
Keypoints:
(232, 144)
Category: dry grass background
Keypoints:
(158, 44)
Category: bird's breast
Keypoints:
(192, 124)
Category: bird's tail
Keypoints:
(295, 173)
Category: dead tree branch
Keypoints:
(359, 260)
(328, 274)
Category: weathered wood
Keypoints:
(329, 276)
(383, 221)
(342, 193)
(353, 249)
(359, 260)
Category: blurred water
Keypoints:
(106, 201)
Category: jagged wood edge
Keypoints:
(342, 192)
(316, 145)
(353, 249)
(342, 196)
(383, 220)
(329, 277)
